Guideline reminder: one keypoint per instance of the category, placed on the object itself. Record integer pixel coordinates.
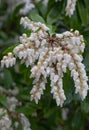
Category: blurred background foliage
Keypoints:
(46, 115)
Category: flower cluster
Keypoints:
(30, 4)
(8, 60)
(25, 122)
(51, 57)
(5, 122)
(6, 116)
(70, 8)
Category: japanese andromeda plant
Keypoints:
(50, 56)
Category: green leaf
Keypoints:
(55, 13)
(77, 121)
(17, 9)
(68, 87)
(22, 68)
(52, 29)
(83, 13)
(37, 18)
(27, 110)
(3, 101)
(42, 10)
(85, 105)
(20, 127)
(86, 62)
(28, 33)
(9, 49)
(8, 81)
(75, 22)
(26, 73)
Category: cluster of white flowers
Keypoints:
(6, 116)
(12, 102)
(70, 8)
(25, 122)
(11, 97)
(12, 92)
(50, 57)
(8, 60)
(28, 5)
(5, 122)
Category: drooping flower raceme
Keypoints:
(6, 122)
(70, 8)
(51, 57)
(7, 116)
(28, 5)
(8, 60)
